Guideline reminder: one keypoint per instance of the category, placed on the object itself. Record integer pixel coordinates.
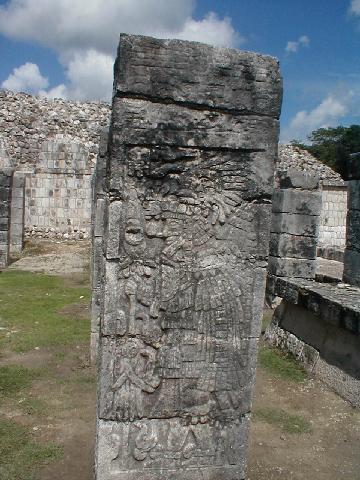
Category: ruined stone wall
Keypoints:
(56, 144)
(332, 227)
(294, 228)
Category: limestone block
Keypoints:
(353, 230)
(353, 167)
(173, 449)
(296, 201)
(293, 178)
(354, 195)
(352, 267)
(292, 267)
(297, 246)
(198, 74)
(295, 224)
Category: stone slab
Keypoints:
(354, 195)
(352, 267)
(173, 448)
(353, 230)
(297, 201)
(293, 178)
(352, 171)
(292, 267)
(198, 74)
(295, 224)
(296, 246)
(144, 123)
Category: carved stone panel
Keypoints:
(186, 236)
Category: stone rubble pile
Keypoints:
(27, 121)
(299, 159)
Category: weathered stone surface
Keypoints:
(354, 194)
(294, 178)
(292, 267)
(171, 448)
(295, 224)
(353, 230)
(353, 167)
(5, 205)
(185, 245)
(352, 267)
(296, 201)
(198, 74)
(99, 210)
(352, 250)
(17, 213)
(296, 246)
(327, 349)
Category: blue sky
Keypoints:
(66, 47)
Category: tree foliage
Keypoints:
(333, 145)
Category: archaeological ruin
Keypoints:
(187, 210)
(190, 205)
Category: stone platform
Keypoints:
(319, 323)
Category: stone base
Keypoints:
(171, 448)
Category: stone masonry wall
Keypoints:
(332, 228)
(56, 144)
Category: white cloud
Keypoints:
(354, 8)
(26, 78)
(293, 46)
(60, 91)
(85, 34)
(326, 114)
(210, 30)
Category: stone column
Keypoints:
(352, 250)
(17, 212)
(296, 209)
(97, 230)
(193, 139)
(5, 202)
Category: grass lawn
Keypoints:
(38, 313)
(31, 312)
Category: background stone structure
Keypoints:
(29, 124)
(192, 146)
(332, 226)
(296, 208)
(56, 144)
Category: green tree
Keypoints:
(333, 145)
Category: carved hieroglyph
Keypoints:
(188, 184)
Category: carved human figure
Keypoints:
(135, 375)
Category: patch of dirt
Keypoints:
(76, 310)
(55, 257)
(330, 452)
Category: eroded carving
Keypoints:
(186, 252)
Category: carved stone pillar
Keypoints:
(17, 213)
(352, 250)
(193, 139)
(296, 209)
(5, 203)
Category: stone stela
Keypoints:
(187, 209)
